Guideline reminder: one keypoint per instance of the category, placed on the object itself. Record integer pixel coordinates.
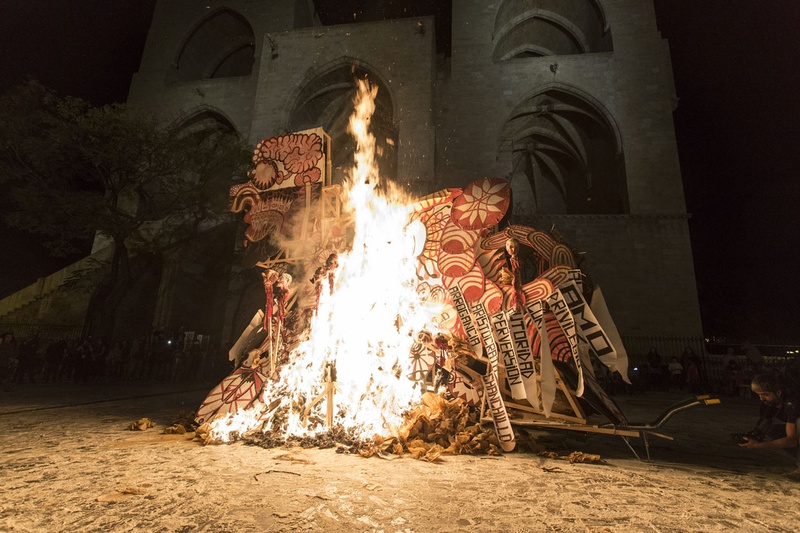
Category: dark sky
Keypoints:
(84, 48)
(737, 74)
(736, 65)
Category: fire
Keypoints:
(363, 331)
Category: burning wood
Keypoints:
(143, 424)
(575, 457)
(420, 317)
(435, 427)
(175, 429)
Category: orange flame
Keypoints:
(365, 329)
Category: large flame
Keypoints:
(365, 328)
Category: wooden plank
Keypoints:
(576, 409)
(553, 414)
(585, 428)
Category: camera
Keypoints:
(741, 438)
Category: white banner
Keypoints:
(590, 331)
(558, 305)
(600, 309)
(527, 367)
(536, 311)
(496, 404)
(460, 304)
(485, 330)
(505, 345)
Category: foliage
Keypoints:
(74, 170)
(132, 179)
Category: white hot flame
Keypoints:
(365, 329)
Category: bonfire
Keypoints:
(396, 325)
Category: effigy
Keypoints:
(388, 317)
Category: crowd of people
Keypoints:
(165, 356)
(159, 356)
(776, 385)
(727, 375)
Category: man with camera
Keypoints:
(777, 420)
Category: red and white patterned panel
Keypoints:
(234, 393)
(457, 254)
(521, 233)
(542, 243)
(562, 255)
(462, 387)
(560, 349)
(495, 241)
(458, 241)
(557, 274)
(473, 284)
(482, 204)
(435, 220)
(493, 297)
(538, 289)
(444, 196)
(422, 360)
(491, 261)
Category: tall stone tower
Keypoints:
(570, 100)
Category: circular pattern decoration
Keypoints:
(462, 387)
(422, 360)
(482, 204)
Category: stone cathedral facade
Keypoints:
(570, 100)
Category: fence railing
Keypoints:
(47, 333)
(716, 373)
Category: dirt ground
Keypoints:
(68, 463)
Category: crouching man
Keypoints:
(777, 420)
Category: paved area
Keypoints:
(67, 463)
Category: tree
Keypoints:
(139, 183)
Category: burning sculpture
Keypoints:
(375, 301)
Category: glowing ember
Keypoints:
(363, 331)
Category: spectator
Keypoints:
(675, 373)
(138, 350)
(654, 376)
(693, 377)
(732, 374)
(778, 403)
(754, 356)
(9, 355)
(28, 359)
(687, 357)
(114, 362)
(83, 361)
(53, 357)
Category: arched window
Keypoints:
(531, 28)
(205, 119)
(206, 131)
(327, 101)
(566, 156)
(221, 45)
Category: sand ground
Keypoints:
(68, 463)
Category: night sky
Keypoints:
(737, 74)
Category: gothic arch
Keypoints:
(205, 118)
(206, 126)
(566, 154)
(529, 28)
(325, 98)
(220, 45)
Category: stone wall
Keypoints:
(643, 265)
(450, 113)
(394, 51)
(174, 21)
(632, 85)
